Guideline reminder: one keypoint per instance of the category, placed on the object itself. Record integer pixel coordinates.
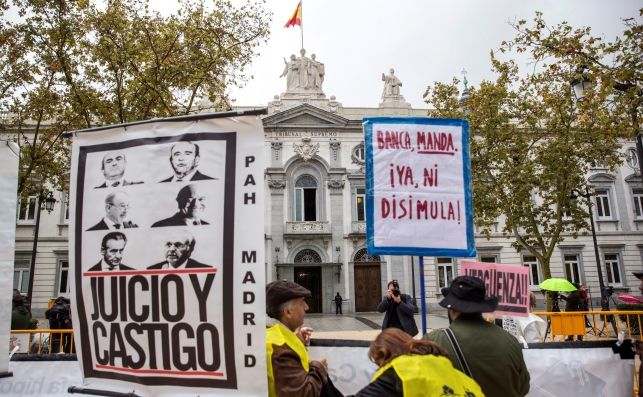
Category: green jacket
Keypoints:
(494, 356)
(20, 317)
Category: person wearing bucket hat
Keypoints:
(290, 372)
(488, 353)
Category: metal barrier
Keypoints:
(47, 341)
(595, 325)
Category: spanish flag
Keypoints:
(295, 19)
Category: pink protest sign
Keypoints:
(509, 283)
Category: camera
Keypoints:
(608, 291)
(396, 292)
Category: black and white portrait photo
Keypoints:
(184, 158)
(111, 251)
(113, 168)
(191, 205)
(116, 209)
(178, 250)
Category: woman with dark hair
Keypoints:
(412, 368)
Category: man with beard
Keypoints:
(116, 207)
(111, 250)
(191, 206)
(178, 250)
(184, 158)
(113, 167)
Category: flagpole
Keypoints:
(301, 24)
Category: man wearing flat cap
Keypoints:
(492, 355)
(290, 372)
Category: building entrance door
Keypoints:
(367, 287)
(310, 277)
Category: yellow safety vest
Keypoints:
(278, 335)
(429, 375)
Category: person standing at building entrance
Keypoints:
(338, 304)
(399, 310)
(290, 372)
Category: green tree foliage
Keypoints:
(72, 64)
(532, 141)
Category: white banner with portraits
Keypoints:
(166, 255)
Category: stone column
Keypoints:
(277, 185)
(335, 153)
(276, 154)
(336, 189)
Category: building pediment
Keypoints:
(304, 116)
(602, 177)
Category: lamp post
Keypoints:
(605, 305)
(46, 201)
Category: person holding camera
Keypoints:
(399, 310)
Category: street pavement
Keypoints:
(362, 326)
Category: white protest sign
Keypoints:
(418, 187)
(508, 283)
(166, 254)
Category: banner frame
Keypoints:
(470, 250)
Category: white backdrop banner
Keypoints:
(9, 157)
(578, 372)
(167, 254)
(568, 372)
(418, 187)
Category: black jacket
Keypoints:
(178, 219)
(196, 177)
(405, 311)
(191, 263)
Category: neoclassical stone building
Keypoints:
(315, 230)
(315, 218)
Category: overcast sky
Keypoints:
(423, 40)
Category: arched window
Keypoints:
(363, 256)
(357, 155)
(306, 198)
(307, 256)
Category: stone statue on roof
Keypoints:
(303, 75)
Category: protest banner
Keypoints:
(418, 187)
(556, 369)
(166, 254)
(509, 283)
(9, 156)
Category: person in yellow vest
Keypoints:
(414, 368)
(290, 372)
